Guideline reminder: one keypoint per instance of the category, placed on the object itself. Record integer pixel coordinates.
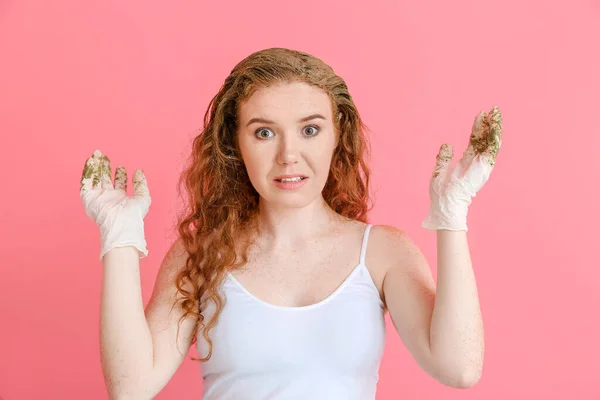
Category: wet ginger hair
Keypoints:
(220, 200)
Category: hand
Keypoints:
(119, 217)
(451, 189)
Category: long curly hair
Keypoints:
(220, 200)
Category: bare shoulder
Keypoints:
(392, 240)
(391, 248)
(174, 260)
(388, 243)
(380, 237)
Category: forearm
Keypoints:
(456, 334)
(125, 339)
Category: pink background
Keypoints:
(134, 79)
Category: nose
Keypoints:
(289, 150)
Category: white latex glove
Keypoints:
(119, 217)
(451, 189)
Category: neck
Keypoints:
(287, 227)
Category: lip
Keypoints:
(291, 186)
(290, 176)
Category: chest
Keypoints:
(306, 274)
(345, 334)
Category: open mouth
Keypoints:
(299, 179)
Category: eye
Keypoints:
(258, 133)
(315, 128)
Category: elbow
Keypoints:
(120, 394)
(124, 391)
(467, 379)
(127, 396)
(122, 385)
(459, 372)
(459, 377)
(134, 394)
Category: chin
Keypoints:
(298, 198)
(290, 200)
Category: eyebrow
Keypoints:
(266, 121)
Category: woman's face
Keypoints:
(287, 129)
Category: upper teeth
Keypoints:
(296, 179)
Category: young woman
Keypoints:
(276, 274)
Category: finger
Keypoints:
(494, 135)
(442, 161)
(91, 173)
(479, 134)
(140, 189)
(105, 173)
(140, 186)
(86, 177)
(469, 153)
(121, 178)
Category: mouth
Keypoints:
(291, 178)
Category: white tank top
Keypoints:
(330, 350)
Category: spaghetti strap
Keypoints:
(363, 250)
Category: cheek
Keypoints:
(324, 161)
(324, 156)
(254, 162)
